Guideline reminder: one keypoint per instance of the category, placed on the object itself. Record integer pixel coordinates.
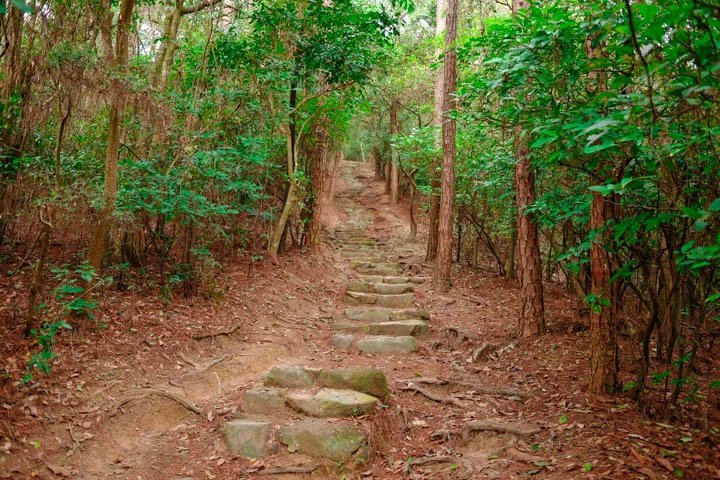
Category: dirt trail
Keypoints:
(350, 366)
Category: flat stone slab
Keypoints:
(342, 341)
(397, 328)
(387, 344)
(384, 314)
(394, 289)
(363, 379)
(360, 286)
(263, 400)
(402, 300)
(331, 403)
(379, 268)
(291, 377)
(393, 280)
(320, 438)
(251, 439)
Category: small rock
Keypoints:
(263, 400)
(342, 341)
(397, 328)
(290, 377)
(251, 439)
(363, 379)
(319, 438)
(333, 403)
(386, 344)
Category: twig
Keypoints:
(434, 396)
(160, 393)
(289, 469)
(488, 425)
(189, 362)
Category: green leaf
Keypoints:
(715, 205)
(588, 467)
(563, 419)
(22, 6)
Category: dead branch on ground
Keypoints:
(160, 393)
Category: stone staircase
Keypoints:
(316, 412)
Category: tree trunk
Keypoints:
(532, 312)
(319, 163)
(37, 275)
(432, 243)
(394, 169)
(603, 315)
(98, 244)
(510, 258)
(291, 199)
(447, 187)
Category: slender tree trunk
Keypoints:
(603, 315)
(291, 199)
(98, 244)
(319, 163)
(38, 274)
(532, 310)
(510, 258)
(432, 244)
(447, 193)
(394, 169)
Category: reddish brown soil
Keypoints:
(70, 425)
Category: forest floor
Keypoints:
(147, 396)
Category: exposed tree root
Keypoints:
(219, 333)
(299, 469)
(434, 396)
(160, 393)
(489, 425)
(468, 469)
(479, 389)
(486, 349)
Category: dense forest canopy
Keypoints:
(145, 145)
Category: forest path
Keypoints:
(347, 365)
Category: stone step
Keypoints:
(378, 268)
(363, 379)
(366, 258)
(250, 438)
(382, 288)
(394, 280)
(320, 438)
(263, 400)
(399, 328)
(375, 315)
(331, 403)
(387, 344)
(402, 300)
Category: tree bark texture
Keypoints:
(118, 62)
(447, 187)
(432, 243)
(318, 174)
(532, 312)
(603, 317)
(532, 309)
(394, 168)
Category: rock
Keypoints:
(395, 301)
(386, 344)
(398, 328)
(393, 289)
(371, 278)
(319, 438)
(363, 379)
(332, 403)
(409, 315)
(342, 342)
(368, 314)
(291, 377)
(380, 268)
(362, 287)
(356, 298)
(263, 400)
(251, 439)
(395, 280)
